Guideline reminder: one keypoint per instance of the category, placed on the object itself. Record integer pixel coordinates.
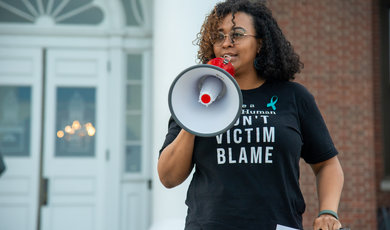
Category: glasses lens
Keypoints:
(237, 35)
(219, 38)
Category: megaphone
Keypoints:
(205, 99)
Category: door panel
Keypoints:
(20, 136)
(74, 160)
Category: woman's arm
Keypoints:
(330, 180)
(175, 162)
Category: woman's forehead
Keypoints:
(241, 19)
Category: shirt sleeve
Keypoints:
(173, 131)
(317, 142)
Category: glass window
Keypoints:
(134, 67)
(75, 122)
(89, 16)
(15, 11)
(133, 156)
(15, 114)
(133, 12)
(134, 127)
(134, 92)
(61, 12)
(134, 121)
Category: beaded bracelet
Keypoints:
(330, 212)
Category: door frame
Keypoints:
(118, 39)
(117, 46)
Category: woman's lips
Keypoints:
(233, 58)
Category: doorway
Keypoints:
(52, 134)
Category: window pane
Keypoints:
(139, 9)
(133, 127)
(132, 12)
(134, 66)
(75, 122)
(8, 13)
(134, 97)
(62, 12)
(7, 16)
(72, 5)
(92, 16)
(133, 159)
(15, 114)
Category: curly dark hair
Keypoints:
(276, 59)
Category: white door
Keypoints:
(20, 136)
(74, 161)
(68, 153)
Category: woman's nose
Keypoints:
(228, 41)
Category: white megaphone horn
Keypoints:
(205, 99)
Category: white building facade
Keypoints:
(84, 111)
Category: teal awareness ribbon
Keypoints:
(272, 103)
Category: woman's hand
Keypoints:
(326, 222)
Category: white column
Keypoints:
(176, 24)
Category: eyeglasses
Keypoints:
(236, 36)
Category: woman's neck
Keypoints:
(249, 80)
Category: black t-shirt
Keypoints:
(248, 177)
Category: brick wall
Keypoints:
(336, 41)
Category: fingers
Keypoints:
(326, 222)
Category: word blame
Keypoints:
(254, 155)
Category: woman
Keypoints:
(248, 177)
